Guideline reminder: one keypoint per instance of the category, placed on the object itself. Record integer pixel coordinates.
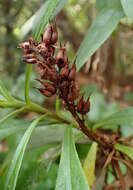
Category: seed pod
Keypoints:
(24, 45)
(45, 92)
(30, 61)
(42, 48)
(52, 75)
(80, 105)
(30, 56)
(32, 42)
(47, 35)
(64, 72)
(72, 74)
(54, 37)
(48, 86)
(61, 58)
(86, 108)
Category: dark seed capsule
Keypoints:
(45, 92)
(48, 86)
(72, 74)
(64, 72)
(87, 106)
(47, 35)
(80, 105)
(54, 37)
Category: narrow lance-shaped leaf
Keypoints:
(128, 8)
(12, 115)
(4, 92)
(70, 175)
(100, 30)
(125, 149)
(32, 22)
(89, 164)
(15, 165)
(122, 117)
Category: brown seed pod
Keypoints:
(54, 37)
(61, 58)
(72, 74)
(80, 105)
(48, 86)
(47, 35)
(24, 45)
(30, 60)
(86, 108)
(64, 72)
(45, 92)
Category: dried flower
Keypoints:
(55, 69)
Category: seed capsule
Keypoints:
(54, 37)
(61, 58)
(48, 86)
(87, 106)
(45, 92)
(47, 35)
(64, 72)
(80, 105)
(72, 74)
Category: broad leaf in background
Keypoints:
(89, 164)
(33, 22)
(4, 92)
(14, 168)
(128, 8)
(125, 149)
(52, 7)
(100, 30)
(12, 115)
(123, 117)
(70, 174)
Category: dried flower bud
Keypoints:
(45, 92)
(42, 48)
(86, 108)
(80, 105)
(72, 74)
(47, 35)
(64, 72)
(61, 58)
(25, 45)
(30, 61)
(48, 86)
(54, 37)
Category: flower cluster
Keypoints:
(53, 65)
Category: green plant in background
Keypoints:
(42, 137)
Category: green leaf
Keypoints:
(125, 149)
(12, 115)
(51, 7)
(27, 82)
(4, 92)
(100, 30)
(18, 157)
(89, 164)
(70, 175)
(32, 23)
(122, 117)
(128, 8)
